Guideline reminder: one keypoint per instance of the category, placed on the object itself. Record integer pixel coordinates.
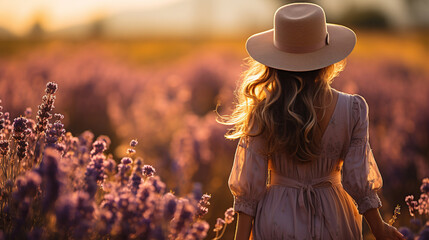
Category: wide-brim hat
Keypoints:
(301, 40)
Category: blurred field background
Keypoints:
(155, 71)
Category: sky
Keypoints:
(18, 15)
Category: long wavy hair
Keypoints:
(281, 107)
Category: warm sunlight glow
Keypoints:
(18, 16)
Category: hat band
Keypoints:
(301, 49)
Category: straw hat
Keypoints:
(301, 40)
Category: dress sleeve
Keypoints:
(247, 180)
(361, 177)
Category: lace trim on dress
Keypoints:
(368, 202)
(356, 108)
(355, 142)
(247, 206)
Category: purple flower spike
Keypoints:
(170, 205)
(203, 205)
(43, 115)
(19, 134)
(28, 111)
(148, 171)
(229, 215)
(98, 147)
(199, 230)
(158, 185)
(19, 124)
(408, 234)
(54, 133)
(219, 224)
(4, 147)
(424, 188)
(126, 160)
(51, 87)
(50, 176)
(134, 143)
(183, 217)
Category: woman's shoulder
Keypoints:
(356, 101)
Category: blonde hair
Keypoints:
(281, 106)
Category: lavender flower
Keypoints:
(46, 204)
(145, 192)
(2, 120)
(98, 147)
(169, 206)
(51, 88)
(220, 223)
(85, 141)
(95, 168)
(20, 131)
(148, 171)
(202, 207)
(43, 115)
(107, 219)
(109, 165)
(159, 186)
(408, 234)
(27, 186)
(423, 204)
(134, 143)
(50, 177)
(424, 188)
(415, 222)
(105, 139)
(424, 234)
(7, 126)
(136, 176)
(412, 205)
(75, 212)
(126, 160)
(182, 219)
(27, 113)
(197, 191)
(131, 151)
(65, 212)
(55, 132)
(198, 231)
(122, 174)
(396, 212)
(4, 147)
(135, 182)
(229, 215)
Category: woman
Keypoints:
(304, 157)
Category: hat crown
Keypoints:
(300, 28)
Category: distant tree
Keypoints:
(418, 11)
(366, 18)
(97, 29)
(36, 31)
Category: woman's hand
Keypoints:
(387, 231)
(379, 228)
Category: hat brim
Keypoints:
(341, 43)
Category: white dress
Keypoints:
(323, 199)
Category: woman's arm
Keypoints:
(244, 226)
(379, 228)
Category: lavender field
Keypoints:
(163, 95)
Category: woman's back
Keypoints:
(295, 200)
(302, 165)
